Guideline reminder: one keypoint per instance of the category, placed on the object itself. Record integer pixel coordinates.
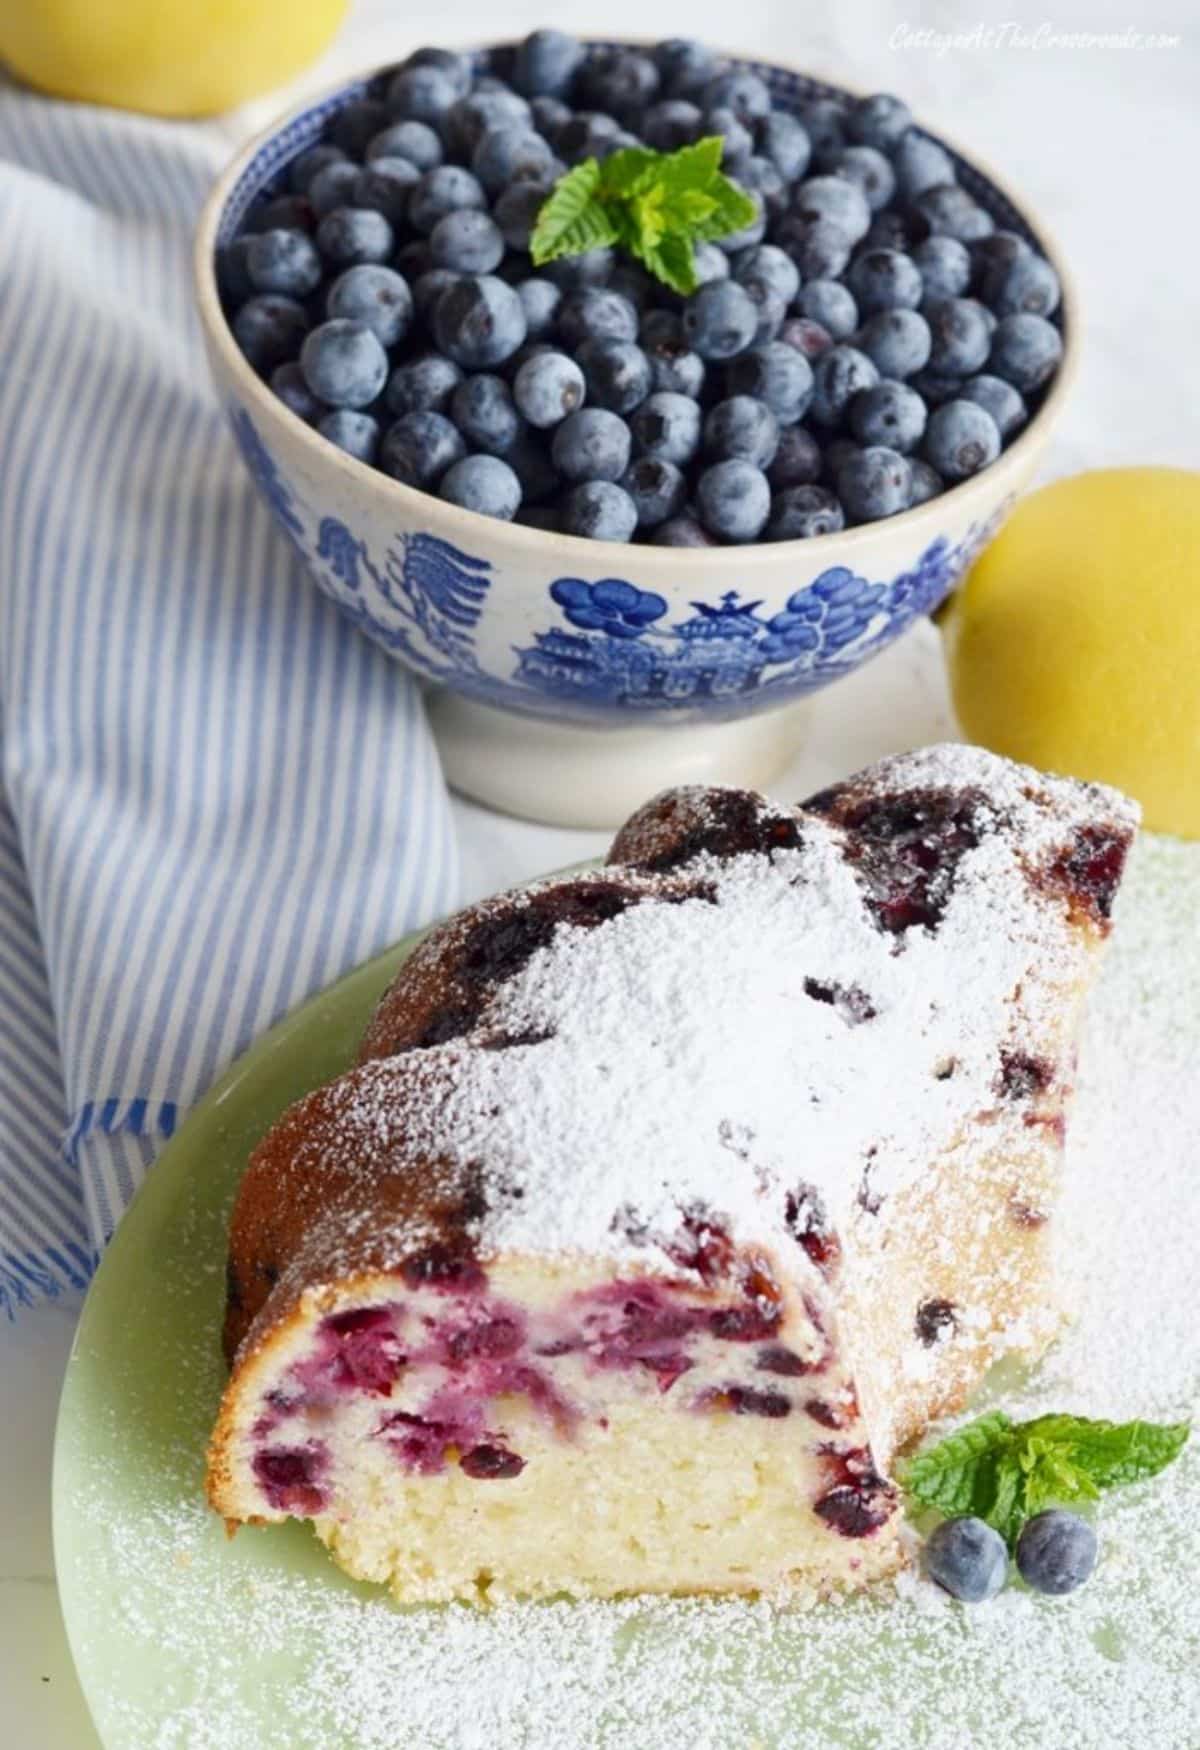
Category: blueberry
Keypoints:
(595, 313)
(684, 64)
(741, 91)
(283, 261)
(674, 367)
(356, 433)
(467, 121)
(1026, 351)
(479, 322)
(873, 483)
(466, 242)
(769, 266)
(741, 427)
(920, 163)
(967, 1559)
(837, 375)
(807, 336)
(825, 124)
(737, 140)
(936, 389)
(591, 444)
(287, 212)
(617, 373)
(356, 123)
(777, 375)
(546, 62)
(959, 335)
(758, 176)
(384, 186)
(333, 187)
(884, 279)
(658, 490)
(620, 82)
(682, 531)
(233, 277)
(924, 482)
(413, 259)
(507, 154)
(820, 248)
(584, 136)
(422, 94)
(540, 299)
(633, 282)
(353, 234)
(1005, 404)
(482, 409)
(419, 448)
(377, 296)
(483, 484)
(880, 121)
(571, 272)
(783, 139)
(344, 363)
(891, 414)
(734, 500)
(428, 288)
(455, 66)
(960, 439)
(673, 123)
(516, 211)
(668, 426)
(269, 330)
(800, 513)
(720, 320)
(772, 313)
(949, 211)
(733, 242)
(834, 199)
(1029, 284)
(288, 383)
(598, 510)
(897, 341)
(991, 258)
(945, 266)
(302, 169)
(870, 171)
(548, 115)
(444, 190)
(1056, 1552)
(830, 304)
(548, 387)
(836, 454)
(423, 385)
(414, 142)
(889, 230)
(797, 460)
(709, 263)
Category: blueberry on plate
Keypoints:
(443, 190)
(1056, 1552)
(944, 265)
(837, 375)
(831, 304)
(820, 248)
(385, 186)
(419, 448)
(598, 510)
(596, 313)
(414, 141)
(283, 261)
(548, 387)
(668, 426)
(871, 171)
(658, 490)
(479, 322)
(890, 414)
(516, 211)
(924, 482)
(960, 439)
(670, 124)
(836, 200)
(741, 427)
(506, 154)
(960, 337)
(287, 212)
(356, 433)
(920, 163)
(873, 483)
(797, 460)
(484, 484)
(269, 329)
(540, 299)
(1026, 351)
(720, 320)
(482, 409)
(743, 92)
(776, 374)
(428, 290)
(737, 142)
(353, 126)
(344, 363)
(825, 122)
(949, 211)
(684, 65)
(422, 93)
(617, 374)
(967, 1559)
(682, 531)
(546, 62)
(898, 342)
(466, 241)
(880, 120)
(1005, 404)
(808, 337)
(734, 500)
(288, 383)
(783, 139)
(591, 445)
(771, 267)
(333, 186)
(376, 296)
(884, 279)
(801, 512)
(317, 158)
(423, 385)
(349, 235)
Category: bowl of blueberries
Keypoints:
(626, 393)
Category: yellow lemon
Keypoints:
(1074, 643)
(161, 56)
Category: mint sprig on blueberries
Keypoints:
(655, 205)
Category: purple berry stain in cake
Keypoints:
(860, 1500)
(362, 1349)
(935, 1320)
(292, 1477)
(1022, 1076)
(489, 1460)
(451, 1268)
(778, 1358)
(1088, 872)
(808, 1224)
(906, 848)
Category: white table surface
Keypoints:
(1104, 142)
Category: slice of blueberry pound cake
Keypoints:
(668, 1201)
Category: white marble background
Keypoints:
(1104, 144)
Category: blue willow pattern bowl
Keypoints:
(510, 620)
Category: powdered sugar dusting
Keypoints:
(262, 1645)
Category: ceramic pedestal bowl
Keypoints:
(572, 678)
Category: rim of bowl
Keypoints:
(410, 499)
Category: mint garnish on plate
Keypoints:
(1004, 1472)
(655, 205)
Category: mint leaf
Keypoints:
(573, 219)
(655, 205)
(959, 1475)
(1112, 1453)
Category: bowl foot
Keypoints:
(565, 775)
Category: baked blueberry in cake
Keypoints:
(668, 1201)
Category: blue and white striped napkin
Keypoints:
(215, 796)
